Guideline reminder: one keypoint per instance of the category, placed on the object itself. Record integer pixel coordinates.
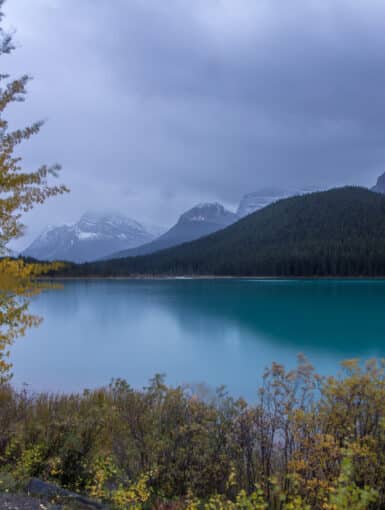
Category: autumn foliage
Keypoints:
(307, 443)
(20, 190)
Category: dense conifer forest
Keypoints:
(340, 232)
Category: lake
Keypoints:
(206, 330)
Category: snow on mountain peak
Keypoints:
(380, 185)
(93, 236)
(208, 212)
(92, 219)
(256, 200)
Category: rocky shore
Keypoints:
(39, 495)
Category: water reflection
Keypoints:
(216, 331)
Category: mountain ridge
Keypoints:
(339, 232)
(199, 221)
(256, 200)
(95, 234)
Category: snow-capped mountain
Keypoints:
(207, 213)
(94, 236)
(380, 185)
(201, 220)
(258, 199)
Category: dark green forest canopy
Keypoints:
(340, 232)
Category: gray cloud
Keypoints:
(153, 106)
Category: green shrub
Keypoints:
(308, 442)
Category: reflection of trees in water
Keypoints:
(345, 317)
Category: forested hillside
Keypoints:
(340, 232)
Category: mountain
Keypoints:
(380, 185)
(340, 232)
(201, 220)
(155, 230)
(9, 252)
(92, 237)
(258, 199)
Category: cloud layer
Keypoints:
(153, 106)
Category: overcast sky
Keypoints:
(155, 105)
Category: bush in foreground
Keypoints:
(308, 442)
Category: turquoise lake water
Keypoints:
(196, 331)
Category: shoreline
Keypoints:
(211, 277)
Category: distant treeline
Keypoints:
(308, 443)
(340, 232)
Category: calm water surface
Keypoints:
(212, 331)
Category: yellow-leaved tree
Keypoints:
(20, 190)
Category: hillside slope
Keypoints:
(336, 232)
(200, 221)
